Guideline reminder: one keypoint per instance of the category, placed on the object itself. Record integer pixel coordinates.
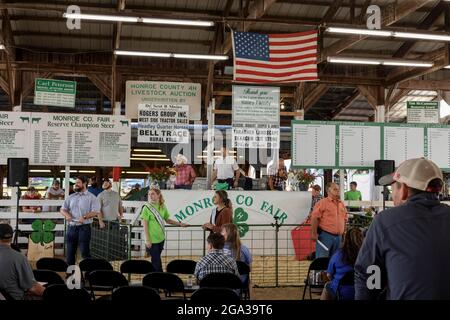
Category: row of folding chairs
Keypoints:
(60, 293)
(98, 275)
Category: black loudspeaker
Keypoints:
(17, 172)
(382, 168)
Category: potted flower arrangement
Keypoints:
(160, 175)
(301, 179)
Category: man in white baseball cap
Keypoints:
(410, 243)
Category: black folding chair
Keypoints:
(106, 280)
(221, 280)
(136, 294)
(92, 264)
(48, 276)
(244, 269)
(181, 266)
(215, 295)
(61, 293)
(53, 264)
(136, 267)
(141, 267)
(169, 282)
(319, 264)
(347, 280)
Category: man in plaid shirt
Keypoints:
(185, 174)
(215, 261)
(277, 176)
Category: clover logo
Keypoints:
(240, 218)
(42, 231)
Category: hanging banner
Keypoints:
(163, 123)
(80, 140)
(253, 213)
(57, 93)
(259, 207)
(14, 135)
(423, 111)
(256, 117)
(150, 92)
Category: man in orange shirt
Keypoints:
(328, 220)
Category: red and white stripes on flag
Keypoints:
(275, 57)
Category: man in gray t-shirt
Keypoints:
(16, 275)
(110, 204)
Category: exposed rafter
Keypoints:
(426, 24)
(390, 13)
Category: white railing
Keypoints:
(8, 212)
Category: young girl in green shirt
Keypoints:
(154, 216)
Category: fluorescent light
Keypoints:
(40, 171)
(385, 62)
(178, 22)
(200, 56)
(365, 32)
(86, 171)
(423, 36)
(100, 17)
(2, 47)
(408, 63)
(353, 61)
(149, 155)
(146, 150)
(142, 54)
(119, 18)
(447, 67)
(147, 159)
(170, 55)
(71, 171)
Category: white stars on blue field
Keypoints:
(249, 45)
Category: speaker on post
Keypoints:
(382, 168)
(17, 172)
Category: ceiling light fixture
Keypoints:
(170, 55)
(389, 33)
(131, 19)
(385, 62)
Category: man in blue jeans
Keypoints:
(328, 220)
(79, 209)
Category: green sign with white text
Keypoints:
(57, 93)
(423, 111)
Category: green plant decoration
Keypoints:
(42, 231)
(240, 218)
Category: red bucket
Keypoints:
(303, 245)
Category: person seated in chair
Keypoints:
(215, 261)
(16, 275)
(342, 262)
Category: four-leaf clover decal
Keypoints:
(240, 219)
(42, 231)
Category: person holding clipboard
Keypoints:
(328, 220)
(155, 216)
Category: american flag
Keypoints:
(262, 58)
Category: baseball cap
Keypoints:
(6, 231)
(415, 173)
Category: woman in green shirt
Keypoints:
(154, 216)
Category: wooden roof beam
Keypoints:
(314, 96)
(426, 24)
(390, 13)
(346, 104)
